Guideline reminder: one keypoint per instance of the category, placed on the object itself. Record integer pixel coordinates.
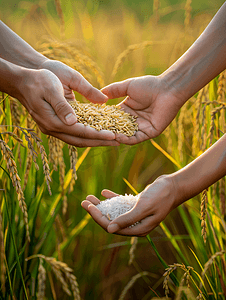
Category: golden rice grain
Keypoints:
(45, 163)
(209, 263)
(133, 241)
(28, 167)
(41, 281)
(11, 166)
(105, 117)
(204, 202)
(73, 153)
(63, 273)
(172, 268)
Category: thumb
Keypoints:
(63, 109)
(117, 89)
(125, 220)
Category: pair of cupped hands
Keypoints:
(45, 93)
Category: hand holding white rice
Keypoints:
(116, 206)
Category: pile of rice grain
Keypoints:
(116, 206)
(108, 117)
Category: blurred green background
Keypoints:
(104, 29)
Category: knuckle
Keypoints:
(60, 106)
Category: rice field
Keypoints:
(50, 248)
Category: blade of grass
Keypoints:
(166, 154)
(130, 186)
(173, 242)
(16, 252)
(207, 278)
(165, 265)
(77, 229)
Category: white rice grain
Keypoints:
(116, 206)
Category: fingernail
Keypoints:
(70, 119)
(113, 228)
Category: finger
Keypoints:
(98, 217)
(82, 86)
(85, 204)
(82, 142)
(141, 229)
(108, 194)
(127, 219)
(117, 89)
(93, 199)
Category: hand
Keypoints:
(151, 100)
(154, 204)
(73, 81)
(43, 95)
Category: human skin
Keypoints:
(156, 101)
(44, 86)
(167, 192)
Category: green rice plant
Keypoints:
(59, 229)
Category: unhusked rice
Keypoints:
(107, 117)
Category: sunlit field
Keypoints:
(50, 248)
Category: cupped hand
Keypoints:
(73, 81)
(151, 100)
(154, 204)
(43, 95)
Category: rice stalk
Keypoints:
(131, 283)
(156, 6)
(60, 277)
(172, 268)
(212, 125)
(13, 173)
(195, 138)
(188, 9)
(214, 195)
(41, 280)
(2, 256)
(133, 241)
(222, 195)
(45, 164)
(59, 269)
(28, 167)
(53, 152)
(73, 153)
(14, 136)
(15, 111)
(61, 17)
(204, 202)
(209, 263)
(183, 113)
(74, 58)
(221, 87)
(122, 57)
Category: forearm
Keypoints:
(10, 78)
(15, 50)
(201, 173)
(202, 62)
